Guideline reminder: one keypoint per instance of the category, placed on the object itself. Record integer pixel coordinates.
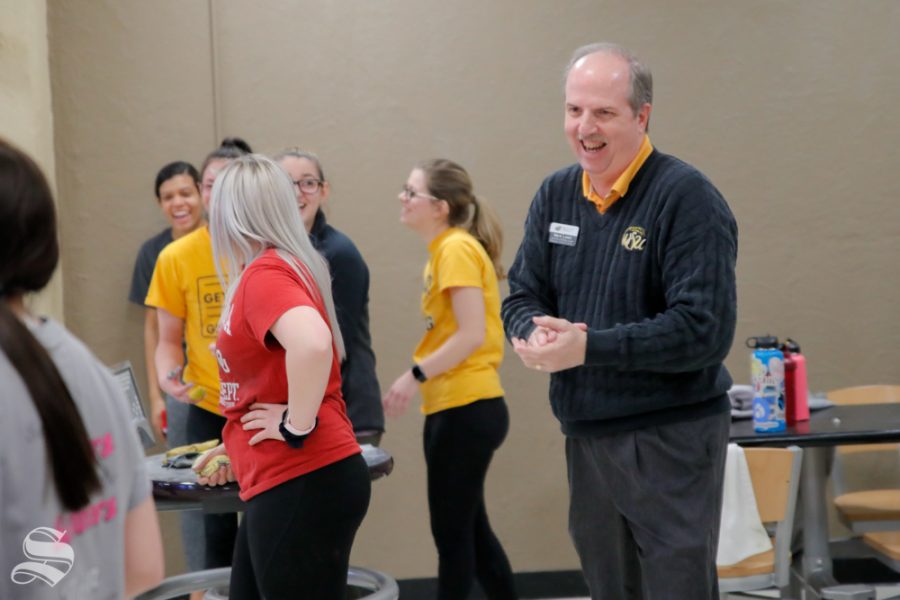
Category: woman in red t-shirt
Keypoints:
(289, 441)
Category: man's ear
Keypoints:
(644, 116)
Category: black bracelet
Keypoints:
(419, 374)
(292, 439)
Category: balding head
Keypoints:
(640, 78)
(604, 127)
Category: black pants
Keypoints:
(294, 541)
(459, 445)
(220, 530)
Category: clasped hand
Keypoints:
(554, 345)
(220, 476)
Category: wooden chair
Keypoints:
(872, 513)
(775, 473)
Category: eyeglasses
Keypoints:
(308, 186)
(411, 194)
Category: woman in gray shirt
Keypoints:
(77, 518)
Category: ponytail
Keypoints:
(29, 252)
(448, 181)
(485, 227)
(71, 457)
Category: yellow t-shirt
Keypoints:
(185, 284)
(459, 260)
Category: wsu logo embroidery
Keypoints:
(50, 559)
(634, 239)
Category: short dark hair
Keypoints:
(173, 169)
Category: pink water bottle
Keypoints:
(796, 391)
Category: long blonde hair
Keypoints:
(254, 208)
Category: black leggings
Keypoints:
(294, 540)
(219, 530)
(459, 444)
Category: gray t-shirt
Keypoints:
(89, 563)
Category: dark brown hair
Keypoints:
(29, 252)
(230, 148)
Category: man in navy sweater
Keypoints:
(623, 289)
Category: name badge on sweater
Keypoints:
(565, 235)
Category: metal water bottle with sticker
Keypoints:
(767, 378)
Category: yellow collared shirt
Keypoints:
(620, 187)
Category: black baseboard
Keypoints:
(863, 570)
(570, 584)
(542, 584)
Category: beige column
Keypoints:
(26, 117)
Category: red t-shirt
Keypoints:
(251, 369)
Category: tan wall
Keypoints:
(790, 108)
(26, 119)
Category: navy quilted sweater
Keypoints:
(654, 280)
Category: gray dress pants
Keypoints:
(644, 509)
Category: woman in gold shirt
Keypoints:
(455, 369)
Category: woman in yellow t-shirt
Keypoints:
(455, 369)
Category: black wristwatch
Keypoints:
(419, 374)
(292, 439)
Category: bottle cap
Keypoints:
(762, 341)
(791, 346)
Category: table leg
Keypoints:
(817, 566)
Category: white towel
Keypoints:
(741, 397)
(741, 533)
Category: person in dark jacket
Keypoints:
(350, 287)
(623, 289)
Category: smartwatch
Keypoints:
(290, 438)
(419, 374)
